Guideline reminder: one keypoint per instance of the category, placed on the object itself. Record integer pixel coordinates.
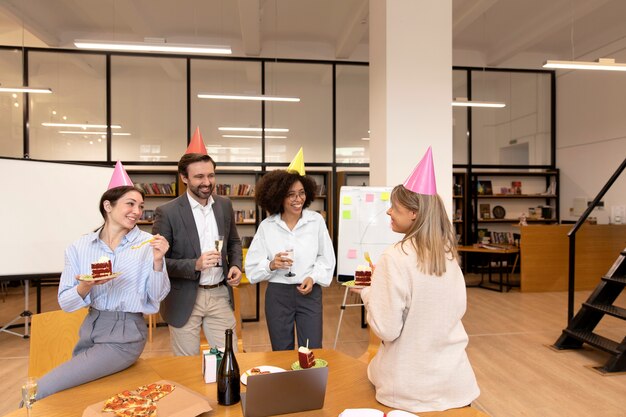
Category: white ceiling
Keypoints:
(506, 33)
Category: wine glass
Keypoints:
(289, 256)
(219, 244)
(29, 392)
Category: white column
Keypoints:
(411, 90)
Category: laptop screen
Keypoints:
(284, 392)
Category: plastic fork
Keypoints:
(142, 243)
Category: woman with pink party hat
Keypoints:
(114, 332)
(415, 305)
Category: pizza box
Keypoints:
(181, 402)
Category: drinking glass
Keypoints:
(219, 244)
(289, 256)
(29, 392)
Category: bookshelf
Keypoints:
(500, 198)
(159, 187)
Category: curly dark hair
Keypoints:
(273, 187)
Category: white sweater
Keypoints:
(421, 364)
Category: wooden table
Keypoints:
(501, 252)
(348, 386)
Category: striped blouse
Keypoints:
(138, 289)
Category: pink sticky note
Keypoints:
(369, 198)
(351, 253)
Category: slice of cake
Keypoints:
(101, 268)
(306, 357)
(363, 276)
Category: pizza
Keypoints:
(140, 402)
(154, 392)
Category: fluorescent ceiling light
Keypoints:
(463, 102)
(152, 47)
(253, 137)
(41, 90)
(255, 97)
(603, 64)
(253, 129)
(79, 132)
(83, 125)
(365, 138)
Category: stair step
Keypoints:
(595, 340)
(621, 280)
(609, 309)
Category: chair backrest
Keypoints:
(53, 337)
(372, 347)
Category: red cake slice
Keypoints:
(102, 268)
(363, 276)
(306, 357)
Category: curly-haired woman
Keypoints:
(291, 300)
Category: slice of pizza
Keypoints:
(155, 392)
(138, 410)
(123, 400)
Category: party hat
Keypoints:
(119, 177)
(422, 179)
(297, 164)
(197, 144)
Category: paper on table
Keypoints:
(181, 402)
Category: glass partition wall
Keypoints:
(151, 104)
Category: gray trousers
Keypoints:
(286, 307)
(110, 341)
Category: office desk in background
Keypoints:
(496, 254)
(348, 386)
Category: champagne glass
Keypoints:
(289, 256)
(29, 392)
(219, 244)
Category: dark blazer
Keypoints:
(174, 221)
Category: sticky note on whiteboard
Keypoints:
(346, 214)
(351, 253)
(384, 196)
(347, 200)
(369, 198)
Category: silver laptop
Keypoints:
(284, 392)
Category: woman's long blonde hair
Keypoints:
(431, 234)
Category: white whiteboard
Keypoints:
(364, 226)
(45, 207)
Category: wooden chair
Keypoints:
(372, 348)
(53, 337)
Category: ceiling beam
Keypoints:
(353, 32)
(250, 24)
(22, 19)
(463, 17)
(545, 23)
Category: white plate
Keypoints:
(264, 368)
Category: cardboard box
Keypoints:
(182, 402)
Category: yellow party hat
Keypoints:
(297, 164)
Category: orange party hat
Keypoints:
(422, 179)
(197, 144)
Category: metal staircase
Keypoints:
(600, 303)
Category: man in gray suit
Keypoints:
(200, 296)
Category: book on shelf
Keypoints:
(245, 216)
(157, 188)
(235, 189)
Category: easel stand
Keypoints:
(23, 315)
(343, 309)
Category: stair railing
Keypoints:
(572, 240)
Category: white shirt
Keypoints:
(312, 249)
(207, 231)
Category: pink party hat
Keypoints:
(422, 179)
(197, 144)
(119, 177)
